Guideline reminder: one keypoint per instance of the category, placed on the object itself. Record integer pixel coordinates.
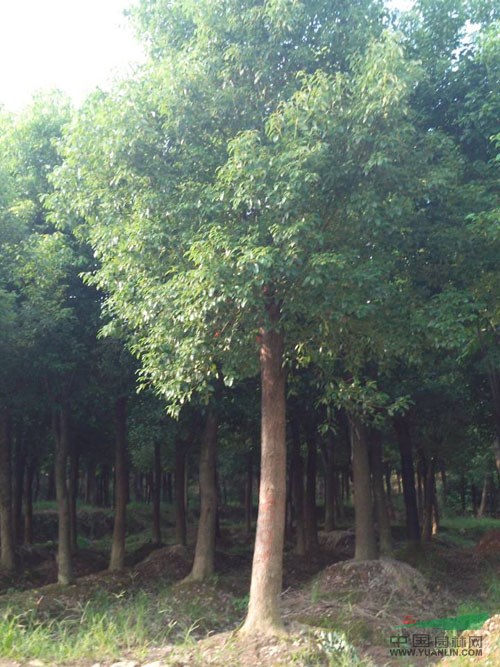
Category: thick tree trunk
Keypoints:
(329, 466)
(366, 546)
(180, 494)
(7, 555)
(249, 493)
(267, 569)
(61, 436)
(381, 509)
(117, 559)
(408, 475)
(311, 521)
(204, 557)
(157, 479)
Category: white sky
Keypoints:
(74, 45)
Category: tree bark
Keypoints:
(7, 555)
(381, 505)
(157, 480)
(180, 495)
(365, 545)
(117, 558)
(267, 568)
(407, 471)
(61, 436)
(204, 557)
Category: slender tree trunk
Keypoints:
(169, 488)
(267, 569)
(408, 475)
(157, 478)
(494, 378)
(339, 503)
(204, 557)
(429, 500)
(73, 494)
(329, 466)
(249, 493)
(388, 490)
(381, 509)
(28, 503)
(51, 485)
(297, 488)
(311, 522)
(366, 546)
(18, 485)
(486, 495)
(117, 559)
(180, 495)
(7, 556)
(61, 435)
(463, 494)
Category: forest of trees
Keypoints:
(266, 262)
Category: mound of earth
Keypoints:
(367, 600)
(168, 564)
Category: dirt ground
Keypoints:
(329, 604)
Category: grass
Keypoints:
(107, 625)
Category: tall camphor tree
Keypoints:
(238, 207)
(454, 262)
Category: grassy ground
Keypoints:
(337, 616)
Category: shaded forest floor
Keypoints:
(337, 612)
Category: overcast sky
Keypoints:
(74, 45)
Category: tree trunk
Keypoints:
(408, 475)
(18, 486)
(297, 488)
(494, 378)
(329, 466)
(267, 568)
(311, 522)
(486, 495)
(157, 479)
(180, 495)
(429, 500)
(204, 557)
(7, 556)
(73, 494)
(117, 559)
(28, 503)
(365, 544)
(61, 436)
(249, 493)
(381, 508)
